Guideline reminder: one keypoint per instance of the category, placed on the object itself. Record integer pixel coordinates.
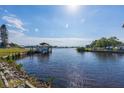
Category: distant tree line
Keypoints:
(105, 42)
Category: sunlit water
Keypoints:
(69, 68)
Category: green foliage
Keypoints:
(8, 51)
(19, 66)
(80, 49)
(10, 61)
(1, 84)
(104, 42)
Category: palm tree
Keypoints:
(123, 26)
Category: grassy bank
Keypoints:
(8, 57)
(8, 51)
(11, 55)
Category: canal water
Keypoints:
(68, 68)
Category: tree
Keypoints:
(4, 36)
(123, 26)
(104, 42)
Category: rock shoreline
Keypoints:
(11, 77)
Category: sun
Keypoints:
(73, 8)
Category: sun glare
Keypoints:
(73, 8)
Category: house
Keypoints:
(121, 47)
(44, 48)
(109, 47)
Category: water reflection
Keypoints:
(43, 57)
(73, 69)
(109, 56)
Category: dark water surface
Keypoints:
(69, 68)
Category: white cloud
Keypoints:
(14, 21)
(15, 34)
(22, 39)
(67, 25)
(12, 15)
(9, 25)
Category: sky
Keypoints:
(62, 25)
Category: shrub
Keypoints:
(10, 61)
(80, 49)
(19, 66)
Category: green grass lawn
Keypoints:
(8, 51)
(88, 49)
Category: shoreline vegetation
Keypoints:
(106, 45)
(12, 75)
(82, 49)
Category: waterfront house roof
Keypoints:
(44, 44)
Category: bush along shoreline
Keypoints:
(12, 75)
(109, 45)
